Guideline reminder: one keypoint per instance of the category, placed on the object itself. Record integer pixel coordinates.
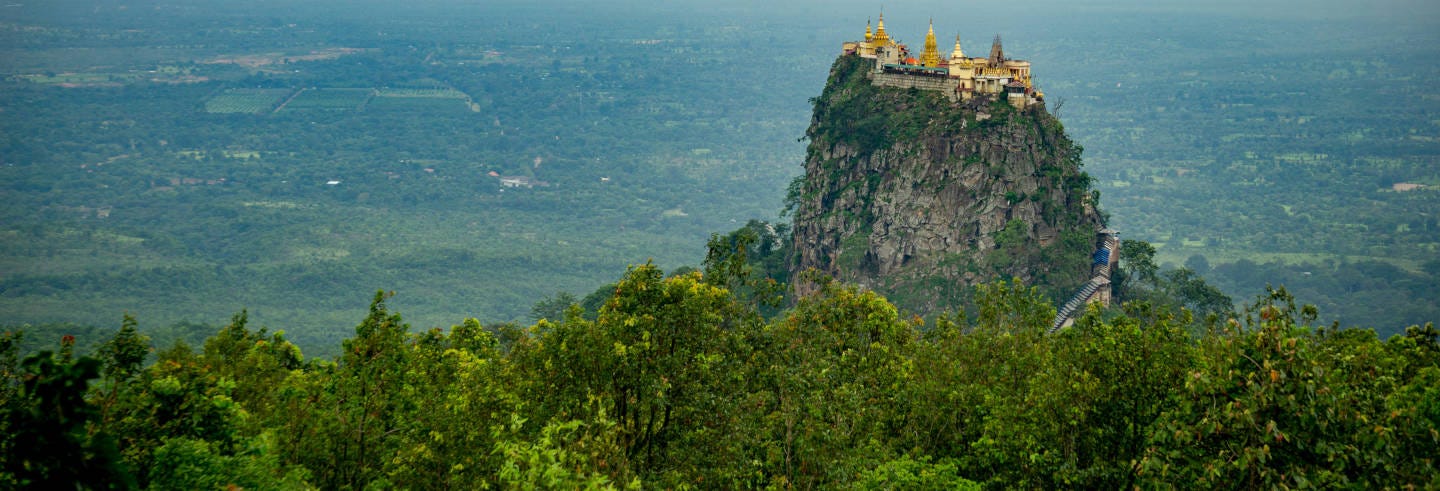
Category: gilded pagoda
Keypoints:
(960, 77)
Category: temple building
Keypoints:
(960, 77)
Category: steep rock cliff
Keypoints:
(918, 197)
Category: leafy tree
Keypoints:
(553, 307)
(592, 303)
(967, 378)
(368, 398)
(1187, 289)
(563, 456)
(669, 341)
(47, 444)
(125, 353)
(256, 363)
(659, 361)
(1198, 264)
(920, 474)
(1125, 370)
(342, 421)
(751, 263)
(830, 387)
(1015, 407)
(1275, 403)
(177, 397)
(9, 369)
(459, 395)
(122, 357)
(1011, 308)
(1139, 280)
(679, 382)
(1137, 269)
(186, 463)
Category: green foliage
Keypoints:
(1011, 308)
(1277, 403)
(1192, 292)
(846, 103)
(1019, 408)
(370, 399)
(562, 457)
(9, 369)
(186, 464)
(176, 398)
(1138, 279)
(1138, 263)
(680, 383)
(47, 443)
(553, 307)
(752, 263)
(1012, 246)
(1350, 292)
(457, 388)
(908, 473)
(830, 387)
(853, 250)
(123, 355)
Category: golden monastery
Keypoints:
(960, 77)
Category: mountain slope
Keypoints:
(919, 197)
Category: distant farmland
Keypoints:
(425, 93)
(248, 101)
(330, 99)
(405, 99)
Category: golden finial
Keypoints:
(931, 56)
(881, 38)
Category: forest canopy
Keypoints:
(677, 382)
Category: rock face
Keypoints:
(919, 198)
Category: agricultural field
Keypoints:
(430, 93)
(418, 103)
(247, 101)
(330, 99)
(80, 79)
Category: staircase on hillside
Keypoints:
(1097, 290)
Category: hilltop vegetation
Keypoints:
(677, 382)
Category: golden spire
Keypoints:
(868, 36)
(957, 53)
(881, 39)
(931, 56)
